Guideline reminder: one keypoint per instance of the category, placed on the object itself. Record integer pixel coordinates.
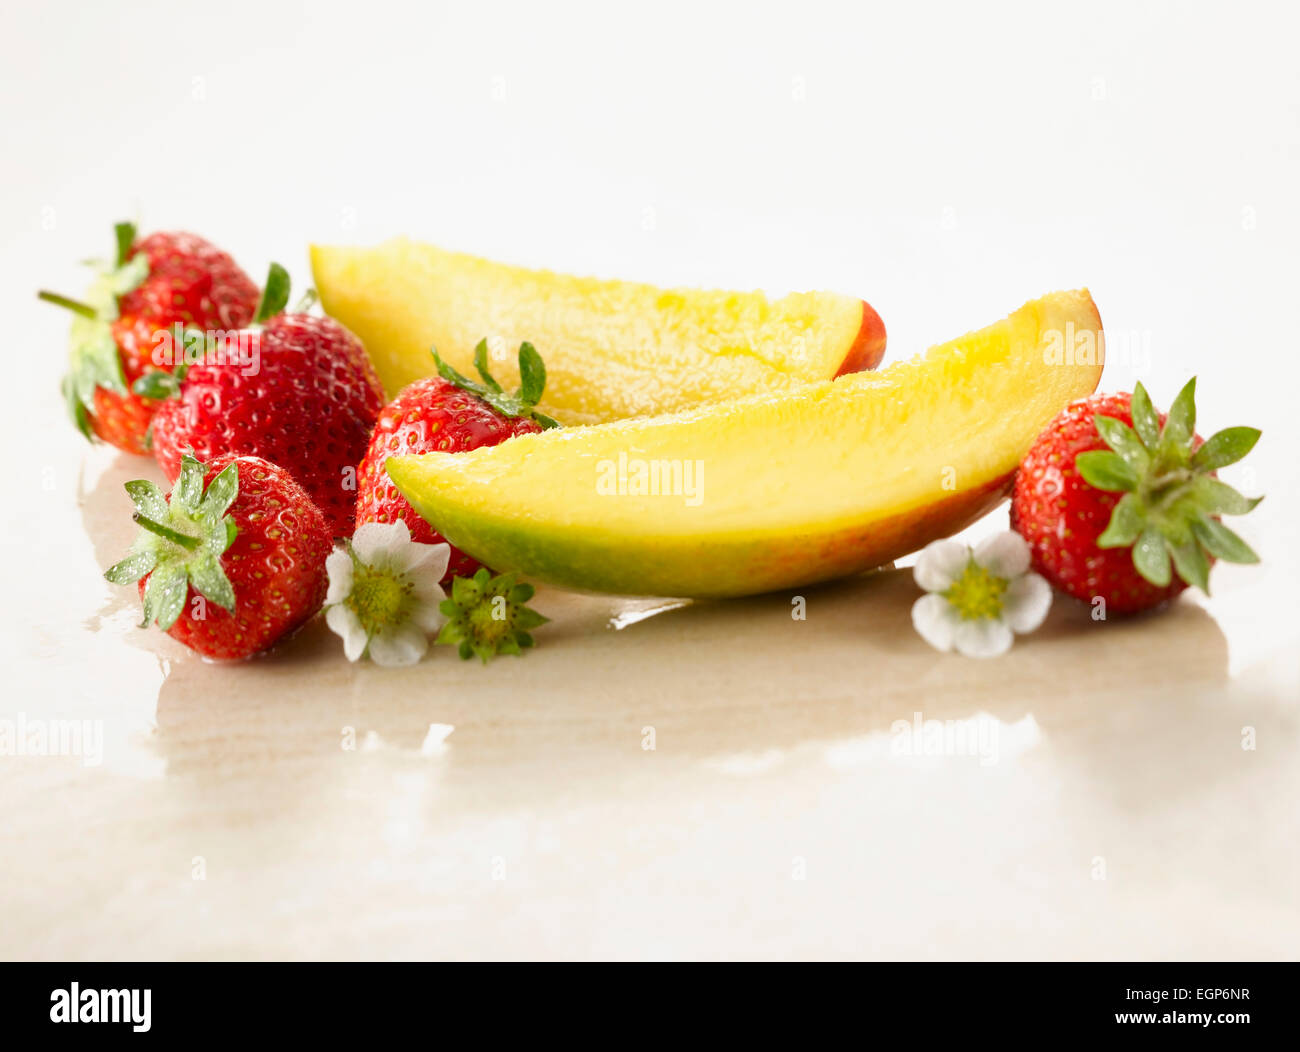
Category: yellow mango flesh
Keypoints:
(613, 349)
(784, 489)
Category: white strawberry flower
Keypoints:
(384, 593)
(980, 597)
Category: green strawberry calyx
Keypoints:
(487, 616)
(93, 359)
(1170, 512)
(523, 403)
(181, 542)
(275, 295)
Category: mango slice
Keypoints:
(613, 349)
(771, 491)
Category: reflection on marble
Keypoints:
(657, 779)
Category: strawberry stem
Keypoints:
(67, 303)
(166, 532)
(124, 233)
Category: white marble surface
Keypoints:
(1105, 806)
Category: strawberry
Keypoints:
(164, 281)
(1121, 503)
(232, 560)
(446, 413)
(304, 397)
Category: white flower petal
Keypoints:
(344, 622)
(935, 621)
(339, 568)
(426, 581)
(427, 593)
(428, 617)
(412, 556)
(381, 544)
(395, 647)
(418, 555)
(1026, 602)
(440, 559)
(983, 638)
(940, 564)
(1004, 554)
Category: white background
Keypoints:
(945, 162)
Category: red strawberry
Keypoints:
(232, 560)
(161, 282)
(305, 397)
(1112, 494)
(448, 414)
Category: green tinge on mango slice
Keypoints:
(771, 491)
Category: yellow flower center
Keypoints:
(378, 598)
(977, 594)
